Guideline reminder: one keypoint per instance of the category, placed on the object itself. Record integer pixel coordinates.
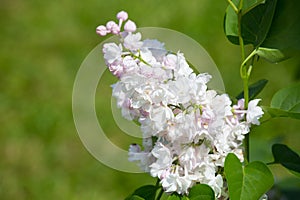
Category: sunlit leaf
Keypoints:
(254, 89)
(248, 182)
(201, 192)
(286, 157)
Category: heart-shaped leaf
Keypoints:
(286, 157)
(248, 182)
(201, 192)
(254, 89)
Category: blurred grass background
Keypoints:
(42, 46)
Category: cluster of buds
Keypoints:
(114, 28)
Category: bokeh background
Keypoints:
(42, 44)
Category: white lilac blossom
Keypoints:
(188, 130)
(254, 112)
(133, 41)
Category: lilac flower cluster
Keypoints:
(187, 128)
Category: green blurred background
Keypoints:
(42, 46)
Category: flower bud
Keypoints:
(122, 15)
(101, 30)
(113, 27)
(130, 26)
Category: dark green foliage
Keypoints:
(286, 157)
(254, 89)
(147, 192)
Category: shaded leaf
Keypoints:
(255, 23)
(147, 192)
(248, 182)
(285, 29)
(271, 55)
(201, 192)
(254, 89)
(250, 4)
(286, 157)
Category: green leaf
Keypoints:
(134, 197)
(286, 157)
(231, 24)
(248, 182)
(255, 23)
(271, 55)
(147, 192)
(285, 30)
(286, 103)
(274, 112)
(176, 196)
(250, 4)
(254, 89)
(201, 192)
